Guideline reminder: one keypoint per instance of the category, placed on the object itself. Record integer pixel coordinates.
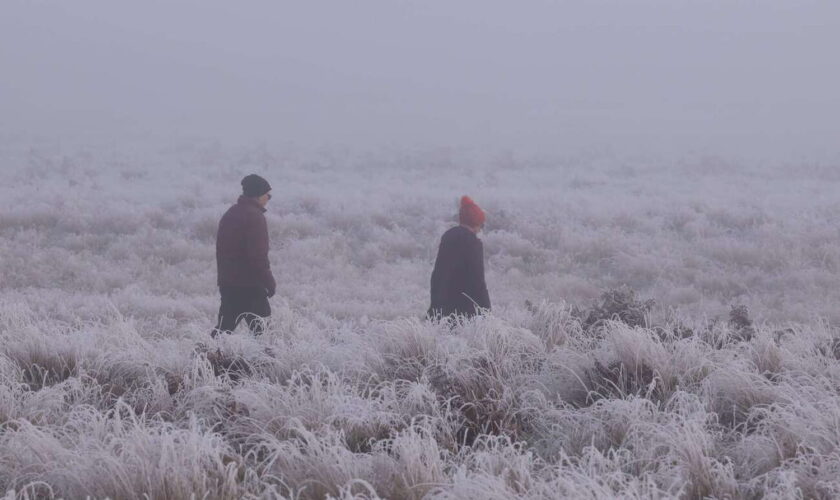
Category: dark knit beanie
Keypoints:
(254, 186)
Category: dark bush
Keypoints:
(617, 305)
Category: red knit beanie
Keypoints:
(470, 213)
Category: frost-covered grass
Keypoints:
(110, 386)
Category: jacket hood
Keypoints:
(247, 200)
(466, 231)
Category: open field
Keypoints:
(111, 387)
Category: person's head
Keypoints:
(471, 215)
(254, 186)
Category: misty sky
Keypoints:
(718, 76)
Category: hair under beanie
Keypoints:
(470, 213)
(255, 186)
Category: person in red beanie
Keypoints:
(458, 287)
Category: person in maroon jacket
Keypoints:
(458, 285)
(245, 279)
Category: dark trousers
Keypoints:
(242, 303)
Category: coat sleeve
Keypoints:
(476, 278)
(256, 250)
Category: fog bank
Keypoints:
(720, 77)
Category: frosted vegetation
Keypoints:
(577, 385)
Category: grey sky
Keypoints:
(693, 76)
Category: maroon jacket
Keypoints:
(242, 247)
(458, 285)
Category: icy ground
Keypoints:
(110, 386)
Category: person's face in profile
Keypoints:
(263, 200)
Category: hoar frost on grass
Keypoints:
(574, 387)
(490, 408)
